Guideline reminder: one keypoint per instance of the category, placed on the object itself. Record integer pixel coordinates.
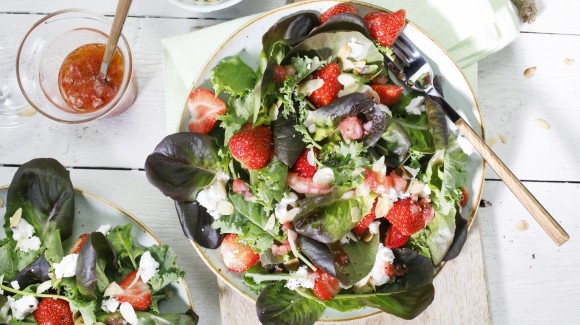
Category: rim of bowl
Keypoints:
(105, 110)
(204, 7)
(478, 116)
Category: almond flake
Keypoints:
(540, 122)
(15, 220)
(113, 290)
(530, 72)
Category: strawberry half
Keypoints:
(389, 94)
(237, 257)
(135, 292)
(385, 27)
(252, 146)
(53, 311)
(329, 90)
(302, 167)
(363, 225)
(335, 10)
(395, 238)
(408, 216)
(351, 128)
(464, 197)
(78, 244)
(204, 107)
(326, 287)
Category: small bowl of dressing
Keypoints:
(57, 68)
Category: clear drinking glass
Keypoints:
(43, 51)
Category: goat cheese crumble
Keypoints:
(22, 307)
(301, 279)
(211, 197)
(148, 267)
(67, 267)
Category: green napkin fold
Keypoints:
(469, 30)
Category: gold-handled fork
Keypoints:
(411, 68)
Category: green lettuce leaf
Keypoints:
(122, 241)
(277, 304)
(269, 184)
(169, 271)
(234, 76)
(239, 111)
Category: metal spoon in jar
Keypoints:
(118, 22)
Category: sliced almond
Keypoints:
(308, 87)
(113, 290)
(568, 61)
(530, 72)
(128, 313)
(502, 137)
(384, 204)
(43, 287)
(367, 236)
(15, 220)
(522, 225)
(225, 208)
(540, 122)
(355, 214)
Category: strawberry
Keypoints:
(237, 257)
(329, 90)
(280, 73)
(204, 107)
(135, 292)
(408, 216)
(303, 167)
(241, 187)
(351, 128)
(385, 27)
(395, 238)
(78, 244)
(252, 146)
(464, 197)
(389, 94)
(53, 311)
(325, 285)
(363, 225)
(335, 10)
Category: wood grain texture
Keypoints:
(461, 295)
(544, 219)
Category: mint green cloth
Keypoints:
(469, 30)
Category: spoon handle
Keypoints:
(546, 221)
(118, 22)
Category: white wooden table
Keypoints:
(530, 279)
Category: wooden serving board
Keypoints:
(461, 295)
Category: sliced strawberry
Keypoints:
(408, 216)
(398, 182)
(395, 238)
(329, 90)
(204, 107)
(325, 286)
(282, 249)
(53, 311)
(237, 257)
(351, 128)
(427, 210)
(302, 166)
(335, 10)
(252, 146)
(385, 27)
(135, 292)
(305, 185)
(389, 94)
(379, 80)
(280, 73)
(78, 244)
(363, 225)
(464, 197)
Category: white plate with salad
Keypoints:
(313, 183)
(72, 257)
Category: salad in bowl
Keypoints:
(322, 182)
(59, 265)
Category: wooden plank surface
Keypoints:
(461, 295)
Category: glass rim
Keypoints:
(101, 112)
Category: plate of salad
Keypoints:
(70, 257)
(309, 179)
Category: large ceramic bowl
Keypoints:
(247, 43)
(92, 211)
